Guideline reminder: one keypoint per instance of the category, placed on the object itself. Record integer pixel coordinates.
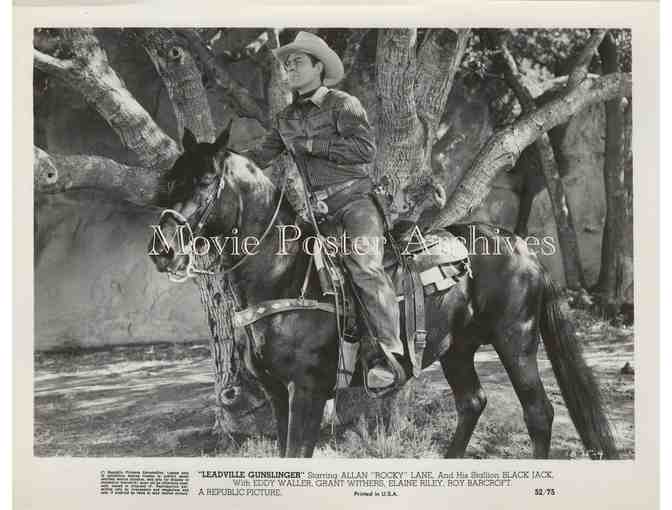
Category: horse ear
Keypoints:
(223, 137)
(189, 141)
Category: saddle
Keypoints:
(418, 264)
(432, 265)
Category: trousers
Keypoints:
(363, 226)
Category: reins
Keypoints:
(192, 271)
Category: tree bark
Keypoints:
(244, 103)
(88, 71)
(567, 240)
(399, 132)
(626, 283)
(54, 173)
(412, 92)
(251, 412)
(583, 60)
(439, 58)
(182, 80)
(505, 146)
(610, 284)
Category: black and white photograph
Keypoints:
(355, 243)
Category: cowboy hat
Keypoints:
(305, 42)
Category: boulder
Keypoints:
(581, 167)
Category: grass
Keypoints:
(157, 401)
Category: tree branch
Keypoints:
(90, 73)
(245, 104)
(51, 65)
(54, 173)
(254, 47)
(505, 146)
(352, 50)
(182, 79)
(569, 246)
(439, 58)
(580, 70)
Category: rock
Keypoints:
(627, 369)
(94, 283)
(628, 312)
(581, 300)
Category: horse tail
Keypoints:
(576, 380)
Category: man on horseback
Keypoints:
(328, 133)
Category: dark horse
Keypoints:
(508, 303)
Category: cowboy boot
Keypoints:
(384, 372)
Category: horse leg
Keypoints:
(519, 357)
(470, 399)
(280, 403)
(305, 417)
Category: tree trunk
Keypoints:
(251, 413)
(505, 146)
(219, 300)
(567, 240)
(610, 285)
(626, 283)
(182, 80)
(184, 85)
(413, 85)
(88, 71)
(400, 141)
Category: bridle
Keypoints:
(191, 270)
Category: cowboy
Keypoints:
(329, 135)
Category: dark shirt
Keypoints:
(342, 138)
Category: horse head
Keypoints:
(204, 201)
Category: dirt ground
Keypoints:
(157, 401)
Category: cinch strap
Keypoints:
(265, 308)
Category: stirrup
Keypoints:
(380, 377)
(394, 368)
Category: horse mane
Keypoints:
(250, 178)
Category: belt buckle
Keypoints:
(321, 207)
